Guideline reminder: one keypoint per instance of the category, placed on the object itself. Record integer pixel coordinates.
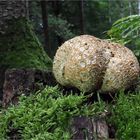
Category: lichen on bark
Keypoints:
(20, 48)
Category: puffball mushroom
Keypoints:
(89, 64)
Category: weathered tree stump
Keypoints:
(85, 128)
(23, 81)
(17, 81)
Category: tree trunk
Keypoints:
(122, 9)
(81, 5)
(56, 9)
(45, 25)
(9, 10)
(19, 46)
(12, 9)
(109, 12)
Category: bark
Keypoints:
(24, 81)
(9, 10)
(56, 8)
(81, 6)
(45, 26)
(19, 48)
(17, 37)
(12, 9)
(16, 83)
(89, 128)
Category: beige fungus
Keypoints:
(89, 64)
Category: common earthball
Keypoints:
(89, 63)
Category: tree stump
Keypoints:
(86, 128)
(24, 81)
(17, 81)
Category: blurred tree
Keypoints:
(44, 10)
(59, 28)
(97, 17)
(56, 5)
(67, 19)
(121, 8)
(81, 7)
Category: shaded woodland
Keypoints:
(34, 104)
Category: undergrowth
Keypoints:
(126, 116)
(45, 115)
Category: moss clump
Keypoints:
(45, 115)
(126, 117)
(20, 48)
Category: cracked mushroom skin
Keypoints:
(90, 64)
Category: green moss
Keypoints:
(45, 115)
(126, 116)
(20, 48)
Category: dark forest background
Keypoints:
(33, 105)
(64, 19)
